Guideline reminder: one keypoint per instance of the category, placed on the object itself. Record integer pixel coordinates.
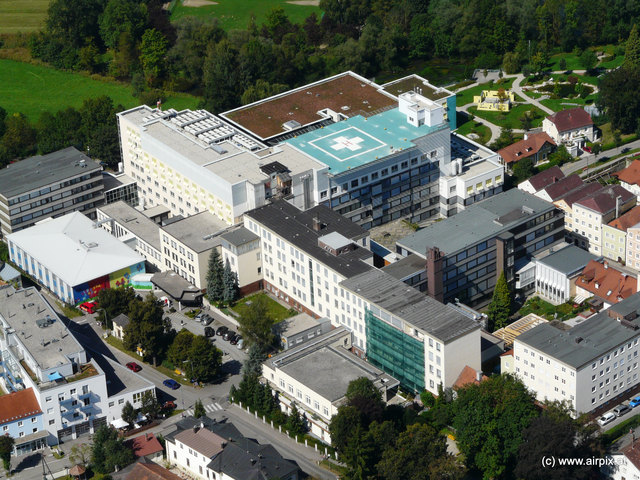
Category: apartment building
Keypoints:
(315, 376)
(591, 212)
(193, 162)
(590, 364)
(498, 232)
(38, 352)
(633, 247)
(614, 236)
(187, 245)
(133, 228)
(606, 282)
(73, 258)
(48, 186)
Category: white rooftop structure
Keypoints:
(74, 249)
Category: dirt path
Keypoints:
(311, 3)
(197, 3)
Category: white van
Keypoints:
(606, 418)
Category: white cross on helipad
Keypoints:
(352, 144)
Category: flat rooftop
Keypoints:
(74, 250)
(568, 259)
(346, 93)
(462, 147)
(327, 368)
(481, 221)
(415, 83)
(51, 345)
(119, 378)
(130, 218)
(406, 267)
(384, 291)
(360, 140)
(588, 340)
(42, 170)
(299, 323)
(115, 180)
(200, 232)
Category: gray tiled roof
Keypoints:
(568, 260)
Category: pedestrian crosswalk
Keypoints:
(211, 408)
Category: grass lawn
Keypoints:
(607, 134)
(616, 62)
(22, 15)
(277, 311)
(511, 119)
(483, 132)
(33, 89)
(235, 14)
(545, 309)
(69, 312)
(466, 96)
(573, 61)
(557, 104)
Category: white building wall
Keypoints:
(247, 265)
(458, 353)
(551, 284)
(187, 458)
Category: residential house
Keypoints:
(614, 236)
(608, 284)
(626, 462)
(630, 177)
(591, 212)
(315, 376)
(633, 247)
(570, 126)
(21, 419)
(561, 188)
(146, 446)
(469, 376)
(536, 146)
(120, 322)
(565, 203)
(145, 469)
(541, 180)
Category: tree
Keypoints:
(215, 283)
(342, 426)
(129, 414)
(205, 359)
(74, 21)
(360, 455)
(419, 453)
(253, 363)
(6, 449)
(80, 454)
(19, 137)
(505, 139)
(122, 16)
(363, 394)
(500, 307)
(178, 351)
(560, 156)
(113, 302)
(296, 424)
(617, 138)
(147, 329)
(596, 148)
(489, 418)
(100, 129)
(58, 131)
(220, 77)
(632, 51)
(153, 50)
(562, 64)
(523, 169)
(149, 405)
(588, 59)
(109, 451)
(256, 323)
(618, 96)
(261, 89)
(198, 409)
(230, 282)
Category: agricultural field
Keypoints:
(236, 14)
(33, 89)
(22, 15)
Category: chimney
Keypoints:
(478, 376)
(317, 226)
(526, 136)
(201, 424)
(606, 264)
(434, 273)
(195, 429)
(147, 436)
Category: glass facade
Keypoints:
(396, 353)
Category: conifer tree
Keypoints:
(500, 307)
(632, 51)
(198, 409)
(229, 280)
(215, 284)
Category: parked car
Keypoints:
(171, 383)
(634, 402)
(209, 332)
(620, 410)
(228, 335)
(207, 320)
(169, 405)
(240, 344)
(134, 367)
(199, 316)
(606, 418)
(222, 330)
(235, 339)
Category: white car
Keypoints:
(606, 418)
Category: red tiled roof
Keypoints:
(612, 285)
(570, 119)
(467, 376)
(563, 187)
(546, 178)
(151, 471)
(525, 148)
(631, 174)
(144, 445)
(507, 353)
(15, 406)
(632, 452)
(629, 219)
(604, 201)
(580, 193)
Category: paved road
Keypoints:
(588, 159)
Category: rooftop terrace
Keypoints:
(415, 83)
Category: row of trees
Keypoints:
(92, 128)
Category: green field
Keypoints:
(33, 89)
(276, 310)
(511, 119)
(483, 132)
(235, 14)
(22, 15)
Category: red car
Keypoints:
(133, 366)
(169, 405)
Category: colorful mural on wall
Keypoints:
(88, 290)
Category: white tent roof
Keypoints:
(119, 423)
(73, 249)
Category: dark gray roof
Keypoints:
(121, 320)
(415, 308)
(296, 227)
(406, 267)
(135, 221)
(176, 286)
(43, 170)
(587, 341)
(199, 232)
(239, 236)
(567, 260)
(479, 222)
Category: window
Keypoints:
(51, 422)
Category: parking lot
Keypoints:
(630, 413)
